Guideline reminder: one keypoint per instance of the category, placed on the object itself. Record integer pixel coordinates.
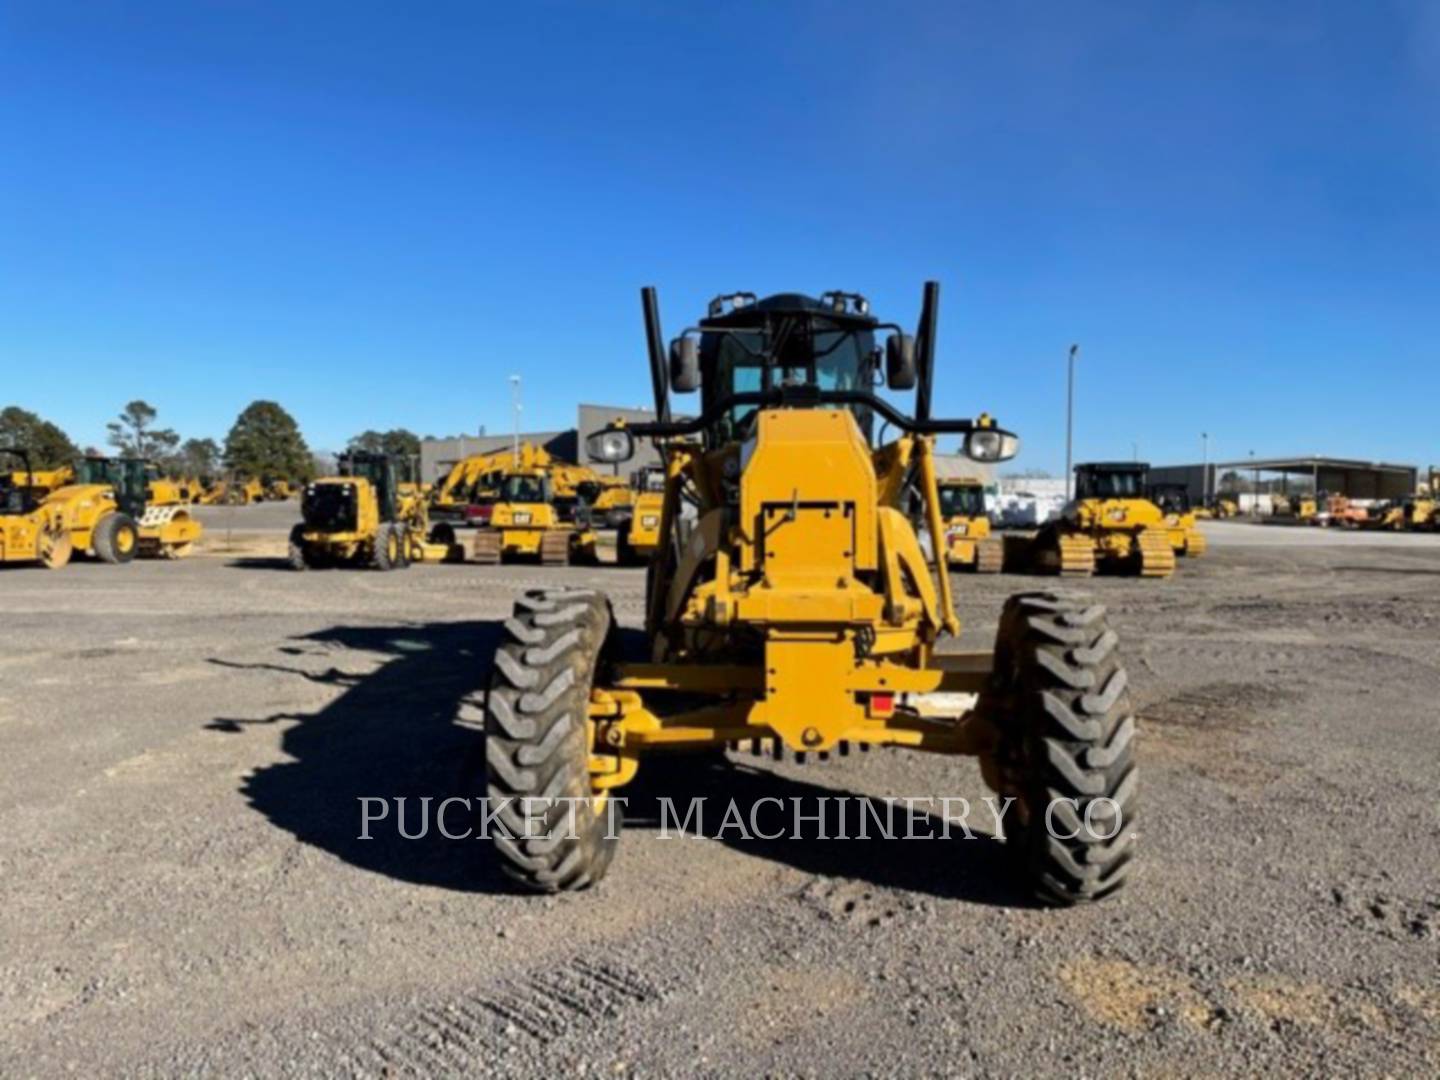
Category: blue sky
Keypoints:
(374, 213)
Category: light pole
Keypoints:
(515, 418)
(1204, 466)
(1070, 419)
(1135, 452)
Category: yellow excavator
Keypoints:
(469, 489)
(969, 541)
(1109, 525)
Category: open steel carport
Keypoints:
(1335, 476)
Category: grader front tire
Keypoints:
(537, 742)
(1066, 747)
(389, 553)
(296, 554)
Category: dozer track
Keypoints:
(990, 556)
(555, 548)
(487, 547)
(1076, 555)
(1195, 543)
(1157, 555)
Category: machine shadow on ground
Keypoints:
(393, 732)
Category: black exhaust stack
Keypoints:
(655, 343)
(925, 348)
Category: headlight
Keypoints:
(991, 444)
(611, 445)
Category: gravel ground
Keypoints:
(183, 888)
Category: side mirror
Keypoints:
(900, 362)
(612, 445)
(991, 444)
(685, 365)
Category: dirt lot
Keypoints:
(183, 889)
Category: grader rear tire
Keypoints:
(1066, 747)
(538, 740)
(116, 539)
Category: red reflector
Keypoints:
(881, 704)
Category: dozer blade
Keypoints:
(1157, 555)
(555, 548)
(990, 556)
(487, 547)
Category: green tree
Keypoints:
(398, 443)
(199, 457)
(49, 447)
(134, 436)
(266, 443)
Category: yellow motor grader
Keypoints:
(1110, 524)
(526, 522)
(969, 542)
(798, 611)
(1180, 517)
(32, 529)
(365, 516)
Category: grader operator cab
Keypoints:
(156, 509)
(1110, 524)
(1180, 517)
(366, 517)
(799, 612)
(32, 529)
(969, 542)
(526, 521)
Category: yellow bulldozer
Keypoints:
(637, 536)
(799, 613)
(1180, 518)
(969, 541)
(1110, 524)
(525, 522)
(32, 529)
(367, 516)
